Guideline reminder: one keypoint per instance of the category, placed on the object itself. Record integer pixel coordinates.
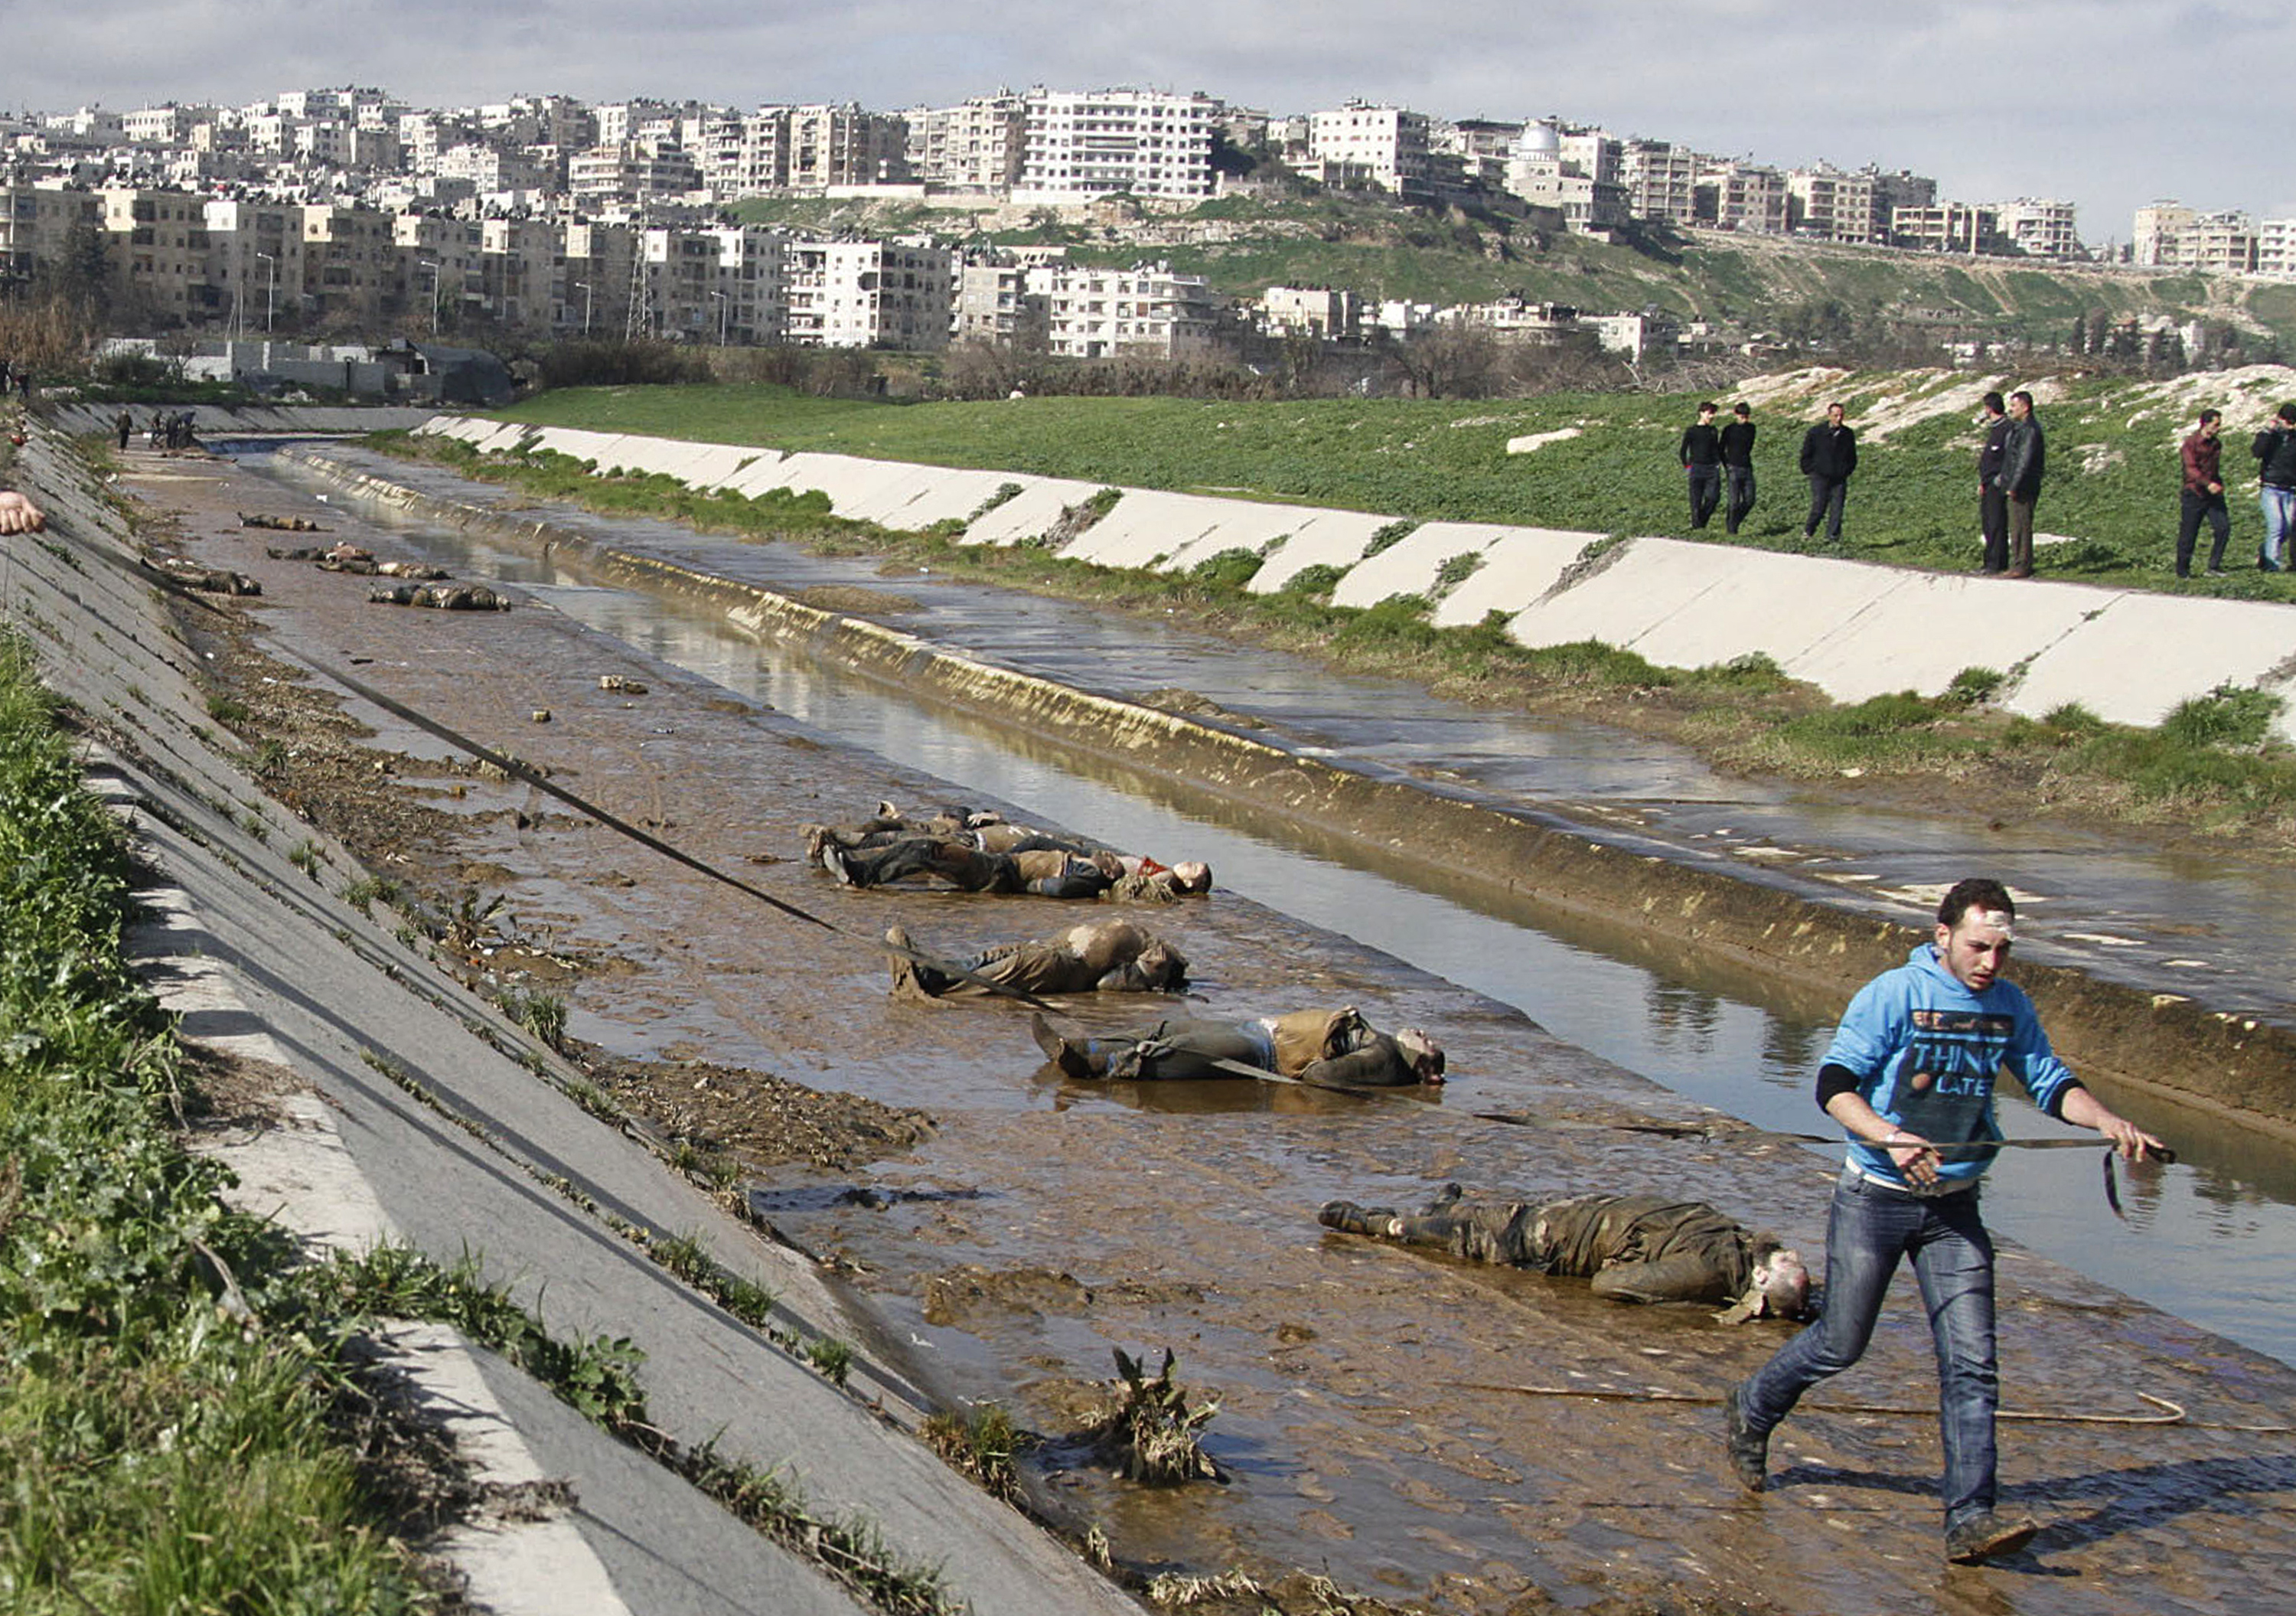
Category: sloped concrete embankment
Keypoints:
(2160, 1043)
(1854, 630)
(413, 1109)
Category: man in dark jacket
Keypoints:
(2203, 495)
(1829, 455)
(1992, 503)
(2020, 479)
(1738, 466)
(1634, 1248)
(1700, 454)
(2274, 449)
(1316, 1046)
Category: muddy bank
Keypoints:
(2159, 1042)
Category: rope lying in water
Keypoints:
(2170, 1414)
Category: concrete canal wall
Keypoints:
(1854, 630)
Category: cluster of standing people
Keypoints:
(2011, 462)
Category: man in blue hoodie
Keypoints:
(1910, 1078)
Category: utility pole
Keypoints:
(725, 307)
(585, 287)
(270, 290)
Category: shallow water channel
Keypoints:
(2212, 1239)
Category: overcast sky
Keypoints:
(2109, 103)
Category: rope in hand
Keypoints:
(2170, 1414)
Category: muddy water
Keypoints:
(1368, 1422)
(2213, 1241)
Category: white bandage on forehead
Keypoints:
(1999, 920)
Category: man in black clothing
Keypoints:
(1829, 455)
(1992, 503)
(2020, 479)
(1315, 1046)
(2274, 449)
(1700, 454)
(1634, 1248)
(1738, 467)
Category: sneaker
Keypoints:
(2216, 572)
(1748, 1449)
(904, 968)
(1986, 1536)
(1072, 1061)
(1349, 1218)
(832, 859)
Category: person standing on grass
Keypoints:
(2020, 480)
(2274, 449)
(1829, 455)
(1910, 1077)
(2203, 495)
(1738, 467)
(1700, 454)
(1992, 503)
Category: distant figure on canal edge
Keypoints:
(1829, 455)
(2203, 457)
(2020, 479)
(2275, 449)
(1738, 467)
(1700, 454)
(1634, 1248)
(1910, 1078)
(1992, 503)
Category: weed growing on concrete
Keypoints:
(304, 857)
(983, 1444)
(1388, 537)
(832, 1356)
(543, 1014)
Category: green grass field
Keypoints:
(2111, 488)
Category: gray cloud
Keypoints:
(2111, 103)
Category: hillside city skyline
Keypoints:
(2047, 100)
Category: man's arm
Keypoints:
(1913, 1154)
(2082, 1108)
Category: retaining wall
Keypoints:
(1854, 630)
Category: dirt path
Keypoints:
(1038, 1225)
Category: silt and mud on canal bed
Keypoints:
(1042, 1224)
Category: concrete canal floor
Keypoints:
(1371, 1419)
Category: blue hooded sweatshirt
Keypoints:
(1927, 1050)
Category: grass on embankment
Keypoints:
(186, 1421)
(2212, 768)
(2112, 479)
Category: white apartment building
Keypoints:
(1077, 145)
(1095, 314)
(869, 294)
(1745, 196)
(2041, 227)
(991, 303)
(35, 221)
(1947, 228)
(1387, 146)
(1660, 180)
(158, 257)
(748, 290)
(2276, 247)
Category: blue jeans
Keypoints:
(1870, 1229)
(2279, 524)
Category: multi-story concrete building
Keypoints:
(1310, 311)
(2040, 227)
(1834, 206)
(254, 250)
(593, 270)
(518, 277)
(158, 255)
(1387, 147)
(1735, 195)
(1077, 145)
(844, 145)
(350, 261)
(749, 291)
(869, 294)
(1947, 228)
(2153, 235)
(977, 146)
(1661, 179)
(1575, 172)
(1095, 313)
(992, 303)
(37, 223)
(2276, 247)
(609, 177)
